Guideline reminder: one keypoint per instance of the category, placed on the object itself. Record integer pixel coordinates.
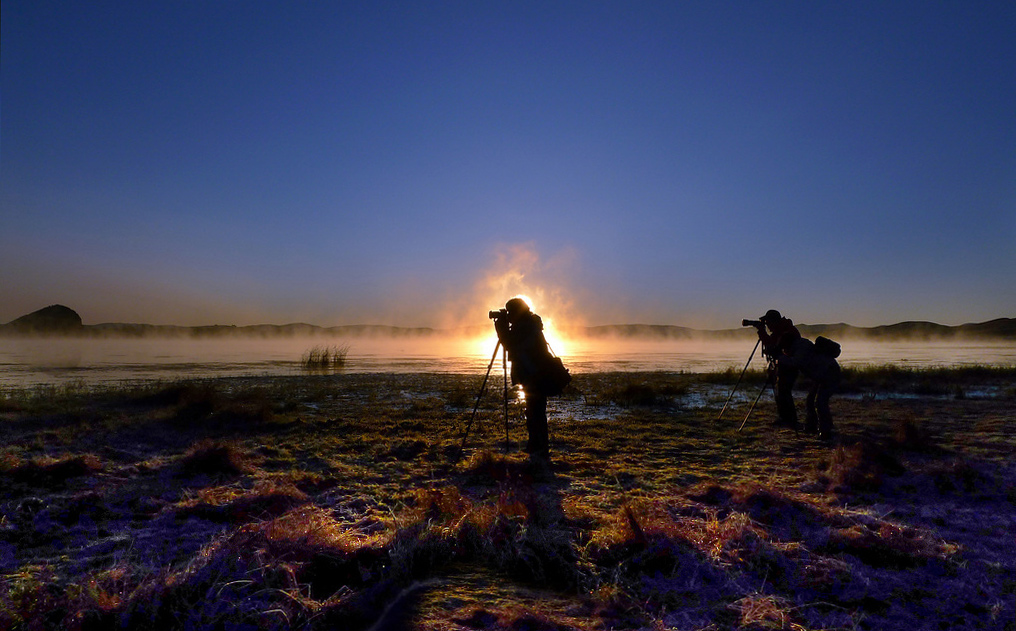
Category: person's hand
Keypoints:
(501, 326)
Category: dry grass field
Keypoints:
(334, 502)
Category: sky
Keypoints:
(418, 163)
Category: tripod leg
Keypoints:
(476, 407)
(764, 386)
(504, 364)
(731, 395)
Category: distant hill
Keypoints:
(1001, 328)
(58, 319)
(1004, 328)
(48, 320)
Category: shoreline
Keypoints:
(857, 380)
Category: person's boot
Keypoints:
(811, 424)
(825, 430)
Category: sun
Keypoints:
(485, 344)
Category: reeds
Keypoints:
(325, 357)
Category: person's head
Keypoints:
(771, 318)
(516, 307)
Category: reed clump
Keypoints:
(325, 357)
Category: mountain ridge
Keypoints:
(61, 320)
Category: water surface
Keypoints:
(29, 362)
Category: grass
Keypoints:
(325, 358)
(331, 501)
(941, 381)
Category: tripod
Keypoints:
(743, 370)
(770, 374)
(504, 363)
(769, 381)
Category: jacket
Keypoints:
(527, 348)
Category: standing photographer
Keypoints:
(780, 339)
(521, 333)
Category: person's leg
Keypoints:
(785, 377)
(536, 423)
(811, 420)
(825, 415)
(531, 426)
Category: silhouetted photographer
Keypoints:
(778, 335)
(790, 354)
(534, 367)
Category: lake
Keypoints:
(31, 362)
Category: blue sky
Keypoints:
(417, 163)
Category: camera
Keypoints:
(755, 323)
(500, 313)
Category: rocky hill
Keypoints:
(51, 319)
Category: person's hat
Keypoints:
(517, 305)
(771, 316)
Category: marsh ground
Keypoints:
(334, 501)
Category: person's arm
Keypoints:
(768, 342)
(504, 332)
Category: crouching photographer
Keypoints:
(534, 367)
(817, 361)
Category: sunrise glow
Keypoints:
(556, 342)
(484, 345)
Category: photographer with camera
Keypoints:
(520, 331)
(780, 339)
(817, 361)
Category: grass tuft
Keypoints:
(861, 466)
(50, 472)
(266, 500)
(323, 358)
(628, 391)
(883, 544)
(909, 435)
(765, 611)
(216, 457)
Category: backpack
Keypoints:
(827, 347)
(553, 377)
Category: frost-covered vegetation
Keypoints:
(332, 501)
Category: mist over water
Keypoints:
(30, 362)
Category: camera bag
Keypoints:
(554, 377)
